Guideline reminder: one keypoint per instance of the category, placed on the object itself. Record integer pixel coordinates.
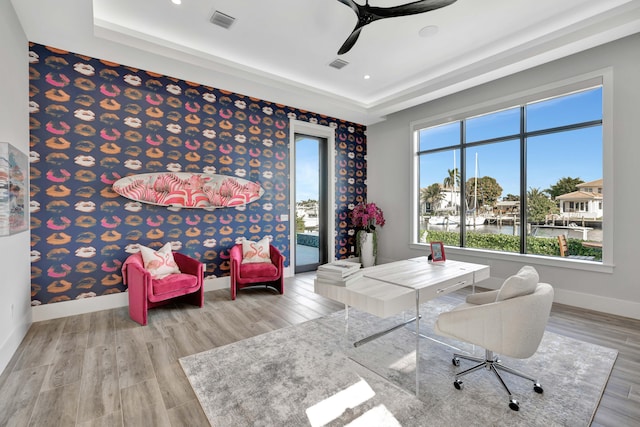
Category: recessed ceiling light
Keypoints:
(428, 31)
(176, 1)
(367, 76)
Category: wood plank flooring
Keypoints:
(103, 369)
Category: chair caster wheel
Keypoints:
(514, 405)
(537, 388)
(457, 384)
(455, 361)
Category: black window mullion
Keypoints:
(565, 128)
(523, 181)
(522, 136)
(463, 184)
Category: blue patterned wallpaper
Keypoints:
(93, 122)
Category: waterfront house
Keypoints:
(585, 202)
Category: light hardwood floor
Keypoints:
(102, 369)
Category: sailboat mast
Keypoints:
(455, 179)
(475, 188)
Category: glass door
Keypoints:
(311, 202)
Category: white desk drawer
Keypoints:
(445, 287)
(370, 295)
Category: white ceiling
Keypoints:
(285, 46)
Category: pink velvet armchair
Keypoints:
(146, 292)
(269, 274)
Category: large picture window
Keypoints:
(520, 179)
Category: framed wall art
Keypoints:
(14, 190)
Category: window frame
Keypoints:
(604, 78)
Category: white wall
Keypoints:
(615, 289)
(15, 281)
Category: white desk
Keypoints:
(388, 289)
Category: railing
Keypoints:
(579, 214)
(305, 239)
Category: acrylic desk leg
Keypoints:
(417, 340)
(346, 321)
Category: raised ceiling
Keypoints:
(284, 47)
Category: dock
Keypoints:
(570, 227)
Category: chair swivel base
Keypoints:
(492, 363)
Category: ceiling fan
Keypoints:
(367, 14)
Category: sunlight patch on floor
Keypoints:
(378, 416)
(406, 363)
(334, 406)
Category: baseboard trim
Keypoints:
(106, 302)
(575, 299)
(80, 306)
(599, 303)
(12, 343)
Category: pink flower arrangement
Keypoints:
(366, 216)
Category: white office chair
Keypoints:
(509, 321)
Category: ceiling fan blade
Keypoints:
(352, 4)
(367, 14)
(416, 7)
(351, 40)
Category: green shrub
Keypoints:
(508, 243)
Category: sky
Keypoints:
(307, 180)
(576, 153)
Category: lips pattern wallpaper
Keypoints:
(93, 122)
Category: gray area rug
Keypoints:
(311, 375)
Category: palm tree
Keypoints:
(452, 181)
(431, 195)
(539, 205)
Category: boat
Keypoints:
(472, 218)
(475, 220)
(444, 220)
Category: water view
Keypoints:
(574, 232)
(546, 152)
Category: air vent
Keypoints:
(222, 20)
(338, 64)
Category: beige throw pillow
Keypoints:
(159, 263)
(524, 282)
(253, 252)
